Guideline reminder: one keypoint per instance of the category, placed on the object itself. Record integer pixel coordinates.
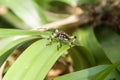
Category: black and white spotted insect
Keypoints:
(62, 38)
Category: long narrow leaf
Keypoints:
(14, 20)
(17, 32)
(86, 38)
(81, 57)
(103, 74)
(109, 41)
(86, 74)
(87, 1)
(35, 62)
(27, 11)
(9, 45)
(70, 2)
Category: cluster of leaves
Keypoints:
(98, 50)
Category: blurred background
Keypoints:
(75, 17)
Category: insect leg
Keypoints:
(70, 44)
(73, 39)
(58, 46)
(59, 43)
(50, 38)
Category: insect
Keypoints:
(61, 37)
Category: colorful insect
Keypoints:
(62, 38)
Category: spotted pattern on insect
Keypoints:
(62, 36)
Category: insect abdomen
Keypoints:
(64, 36)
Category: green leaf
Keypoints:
(87, 1)
(87, 39)
(103, 74)
(43, 3)
(18, 32)
(77, 2)
(26, 10)
(14, 20)
(70, 2)
(35, 62)
(109, 41)
(9, 45)
(81, 58)
(85, 74)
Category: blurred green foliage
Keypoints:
(95, 57)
